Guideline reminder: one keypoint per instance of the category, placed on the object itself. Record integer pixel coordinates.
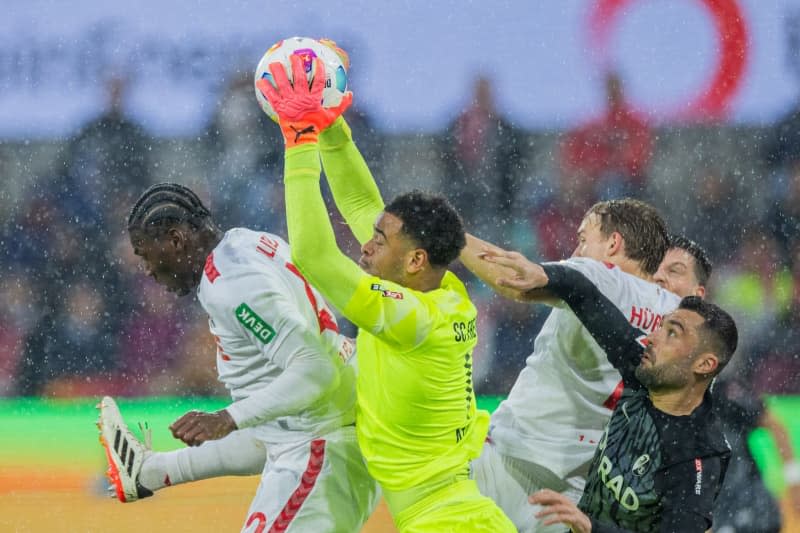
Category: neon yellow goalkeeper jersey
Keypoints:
(416, 416)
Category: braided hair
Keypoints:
(166, 204)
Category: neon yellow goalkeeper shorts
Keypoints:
(458, 507)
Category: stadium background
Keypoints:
(98, 100)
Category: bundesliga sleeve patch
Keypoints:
(257, 325)
(386, 293)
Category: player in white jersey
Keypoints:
(281, 356)
(544, 434)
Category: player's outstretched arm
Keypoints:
(508, 273)
(473, 257)
(314, 248)
(372, 304)
(354, 190)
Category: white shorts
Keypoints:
(509, 481)
(318, 486)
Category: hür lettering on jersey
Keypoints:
(644, 318)
(624, 495)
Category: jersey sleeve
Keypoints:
(380, 307)
(272, 323)
(690, 488)
(354, 190)
(622, 342)
(313, 243)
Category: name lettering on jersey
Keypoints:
(257, 325)
(645, 318)
(267, 246)
(465, 331)
(386, 293)
(210, 268)
(698, 481)
(624, 495)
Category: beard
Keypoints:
(668, 376)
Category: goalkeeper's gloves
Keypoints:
(299, 107)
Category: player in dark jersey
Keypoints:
(744, 503)
(661, 461)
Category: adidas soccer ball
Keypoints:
(335, 60)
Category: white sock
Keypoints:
(238, 454)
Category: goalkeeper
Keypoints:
(417, 422)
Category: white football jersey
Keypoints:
(558, 408)
(262, 314)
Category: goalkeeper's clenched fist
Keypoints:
(298, 106)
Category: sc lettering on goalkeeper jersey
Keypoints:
(465, 331)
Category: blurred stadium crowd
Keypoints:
(79, 317)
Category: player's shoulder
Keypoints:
(453, 296)
(242, 250)
(590, 265)
(601, 273)
(449, 299)
(245, 262)
(451, 289)
(710, 426)
(239, 244)
(613, 280)
(451, 282)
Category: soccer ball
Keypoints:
(335, 60)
